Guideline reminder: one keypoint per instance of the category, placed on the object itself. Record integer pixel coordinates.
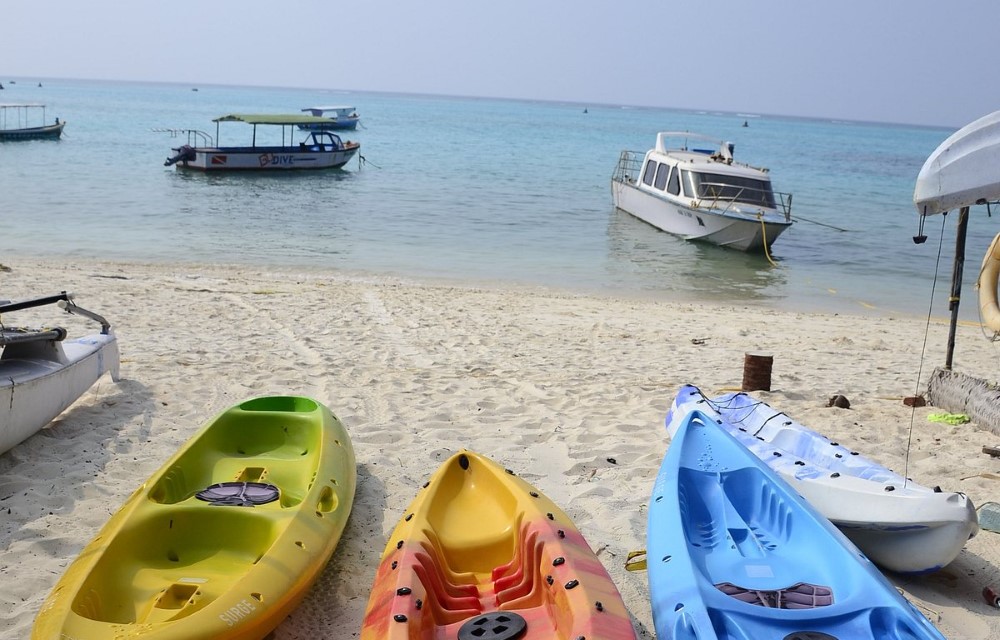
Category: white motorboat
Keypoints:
(42, 373)
(900, 525)
(321, 148)
(343, 117)
(701, 193)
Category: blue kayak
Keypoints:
(735, 554)
(901, 525)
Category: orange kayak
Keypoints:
(481, 554)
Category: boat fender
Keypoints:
(989, 310)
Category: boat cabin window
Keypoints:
(674, 185)
(323, 141)
(717, 186)
(649, 172)
(661, 176)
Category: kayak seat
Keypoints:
(520, 587)
(797, 596)
(193, 541)
(759, 506)
(701, 521)
(171, 603)
(448, 603)
(504, 575)
(248, 445)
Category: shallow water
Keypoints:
(477, 189)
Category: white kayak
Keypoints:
(900, 525)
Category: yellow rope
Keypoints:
(763, 233)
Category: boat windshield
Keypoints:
(717, 186)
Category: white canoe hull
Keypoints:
(744, 233)
(900, 525)
(38, 385)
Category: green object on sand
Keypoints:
(949, 418)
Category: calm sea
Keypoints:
(477, 190)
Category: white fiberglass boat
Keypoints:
(321, 148)
(900, 525)
(343, 117)
(701, 193)
(42, 373)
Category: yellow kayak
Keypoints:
(482, 555)
(222, 542)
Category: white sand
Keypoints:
(551, 385)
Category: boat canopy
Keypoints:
(342, 109)
(662, 144)
(16, 115)
(962, 171)
(278, 119)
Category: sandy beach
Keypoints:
(553, 385)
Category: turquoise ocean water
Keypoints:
(480, 190)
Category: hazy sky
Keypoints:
(918, 61)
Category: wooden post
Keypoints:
(757, 372)
(956, 282)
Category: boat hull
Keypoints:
(342, 124)
(178, 563)
(743, 233)
(479, 544)
(40, 380)
(735, 553)
(900, 525)
(47, 132)
(267, 158)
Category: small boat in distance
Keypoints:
(321, 149)
(701, 194)
(343, 117)
(26, 121)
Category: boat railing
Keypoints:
(195, 137)
(718, 195)
(628, 168)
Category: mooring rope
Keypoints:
(763, 232)
(822, 224)
(923, 351)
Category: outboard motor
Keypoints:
(184, 154)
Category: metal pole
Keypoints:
(956, 281)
